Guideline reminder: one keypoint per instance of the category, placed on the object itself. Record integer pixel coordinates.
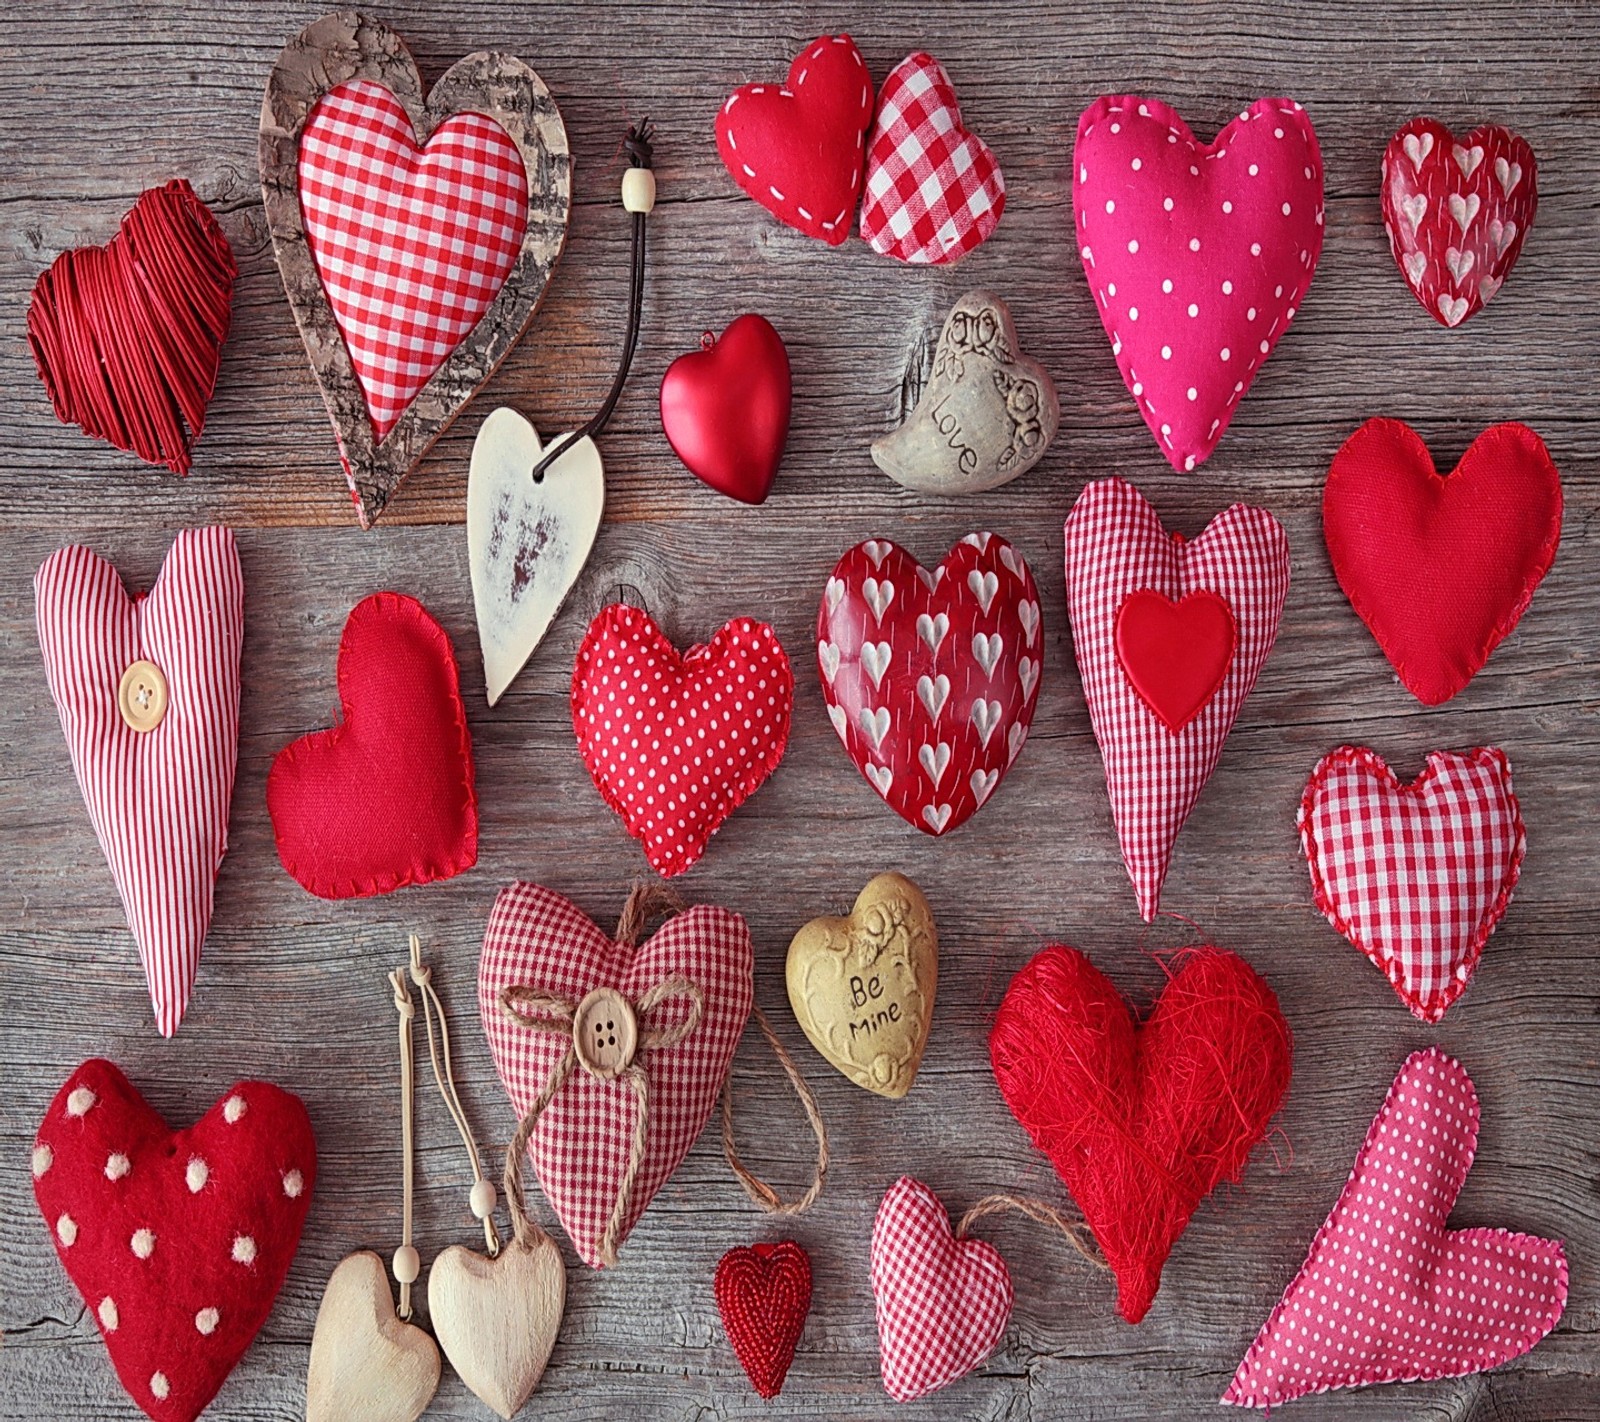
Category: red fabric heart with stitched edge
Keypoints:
(388, 797)
(798, 148)
(1175, 654)
(178, 1240)
(675, 744)
(1142, 1120)
(1440, 568)
(764, 1294)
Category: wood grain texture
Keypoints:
(104, 101)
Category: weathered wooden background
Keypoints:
(101, 101)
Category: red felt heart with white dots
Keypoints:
(178, 1240)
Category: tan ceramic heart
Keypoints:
(366, 1365)
(862, 987)
(497, 1318)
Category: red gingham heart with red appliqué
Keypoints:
(412, 244)
(933, 190)
(1416, 876)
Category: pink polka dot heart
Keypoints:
(1198, 254)
(675, 744)
(1387, 1293)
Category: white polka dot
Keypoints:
(1133, 244)
(1188, 464)
(1265, 347)
(1255, 249)
(108, 1314)
(117, 1166)
(1083, 174)
(159, 1387)
(143, 1243)
(1225, 353)
(1133, 313)
(1193, 393)
(1138, 389)
(1111, 206)
(1193, 309)
(206, 1321)
(1166, 352)
(1111, 290)
(1194, 244)
(233, 1109)
(244, 1250)
(79, 1103)
(1227, 207)
(43, 1159)
(67, 1230)
(1166, 203)
(1227, 288)
(1166, 286)
(1250, 314)
(1137, 164)
(293, 1184)
(196, 1175)
(1286, 209)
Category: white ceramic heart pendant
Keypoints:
(366, 1364)
(527, 541)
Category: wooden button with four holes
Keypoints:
(142, 696)
(605, 1033)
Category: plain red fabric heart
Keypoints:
(675, 744)
(764, 1294)
(178, 1240)
(725, 408)
(1440, 569)
(1141, 1120)
(798, 148)
(386, 798)
(1175, 654)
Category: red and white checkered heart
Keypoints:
(1159, 747)
(1416, 876)
(933, 190)
(931, 677)
(943, 1303)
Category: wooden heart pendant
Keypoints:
(366, 1364)
(415, 232)
(862, 987)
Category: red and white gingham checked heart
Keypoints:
(933, 190)
(412, 244)
(1416, 876)
(943, 1303)
(158, 799)
(1115, 547)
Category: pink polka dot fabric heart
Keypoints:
(1198, 254)
(1387, 1293)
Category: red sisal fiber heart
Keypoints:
(386, 798)
(178, 1240)
(1440, 568)
(1175, 654)
(1142, 1120)
(764, 1294)
(127, 337)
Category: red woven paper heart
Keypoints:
(1198, 254)
(1175, 654)
(943, 1303)
(1416, 876)
(798, 148)
(178, 1240)
(764, 1294)
(1116, 548)
(675, 744)
(1440, 569)
(1457, 212)
(931, 677)
(582, 1143)
(386, 798)
(1141, 1120)
(933, 190)
(1387, 1293)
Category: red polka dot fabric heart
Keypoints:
(931, 675)
(1416, 876)
(1440, 568)
(798, 148)
(675, 744)
(1165, 682)
(933, 190)
(1198, 254)
(178, 1240)
(943, 1303)
(1387, 1293)
(764, 1294)
(1457, 212)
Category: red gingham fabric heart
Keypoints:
(675, 744)
(943, 1303)
(933, 191)
(1416, 876)
(412, 243)
(1387, 1293)
(764, 1294)
(581, 1145)
(178, 1240)
(1115, 547)
(158, 799)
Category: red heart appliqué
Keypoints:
(1175, 654)
(1457, 212)
(388, 797)
(1198, 254)
(1440, 569)
(675, 744)
(764, 1294)
(798, 148)
(178, 1240)
(1416, 876)
(931, 677)
(1141, 1120)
